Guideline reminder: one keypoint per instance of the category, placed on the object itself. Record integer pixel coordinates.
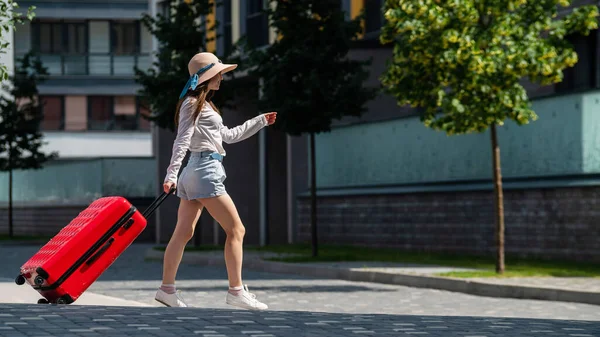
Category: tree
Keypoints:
(181, 34)
(8, 18)
(20, 118)
(307, 75)
(461, 63)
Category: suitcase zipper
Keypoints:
(121, 222)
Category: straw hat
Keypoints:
(202, 67)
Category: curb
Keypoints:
(410, 280)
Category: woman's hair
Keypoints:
(202, 95)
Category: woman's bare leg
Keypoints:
(223, 210)
(187, 217)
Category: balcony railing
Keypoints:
(94, 64)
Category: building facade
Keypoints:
(92, 112)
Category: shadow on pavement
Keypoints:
(136, 321)
(282, 289)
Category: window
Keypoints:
(99, 112)
(125, 113)
(63, 46)
(53, 111)
(125, 38)
(72, 37)
(255, 6)
(90, 47)
(76, 38)
(144, 110)
(164, 8)
(584, 75)
(116, 113)
(75, 113)
(48, 38)
(60, 37)
(257, 26)
(373, 15)
(227, 34)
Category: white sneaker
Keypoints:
(170, 300)
(245, 299)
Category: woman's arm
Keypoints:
(185, 130)
(244, 131)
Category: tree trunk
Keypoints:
(10, 224)
(499, 201)
(313, 195)
(10, 187)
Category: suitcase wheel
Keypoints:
(39, 280)
(42, 301)
(66, 299)
(20, 280)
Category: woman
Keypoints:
(200, 129)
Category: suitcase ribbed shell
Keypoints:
(75, 257)
(62, 239)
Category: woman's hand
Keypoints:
(271, 116)
(168, 185)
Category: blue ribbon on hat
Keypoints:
(192, 82)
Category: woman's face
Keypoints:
(215, 82)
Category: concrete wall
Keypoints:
(91, 144)
(591, 132)
(383, 107)
(74, 182)
(563, 141)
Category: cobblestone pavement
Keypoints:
(309, 307)
(68, 321)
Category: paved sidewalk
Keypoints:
(586, 284)
(578, 290)
(72, 321)
(298, 306)
(583, 284)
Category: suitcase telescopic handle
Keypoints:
(154, 205)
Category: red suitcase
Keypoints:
(73, 259)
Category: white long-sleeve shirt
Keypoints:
(206, 134)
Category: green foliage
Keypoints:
(181, 34)
(308, 78)
(20, 118)
(9, 17)
(461, 61)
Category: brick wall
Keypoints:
(49, 220)
(554, 222)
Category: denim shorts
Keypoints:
(202, 177)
